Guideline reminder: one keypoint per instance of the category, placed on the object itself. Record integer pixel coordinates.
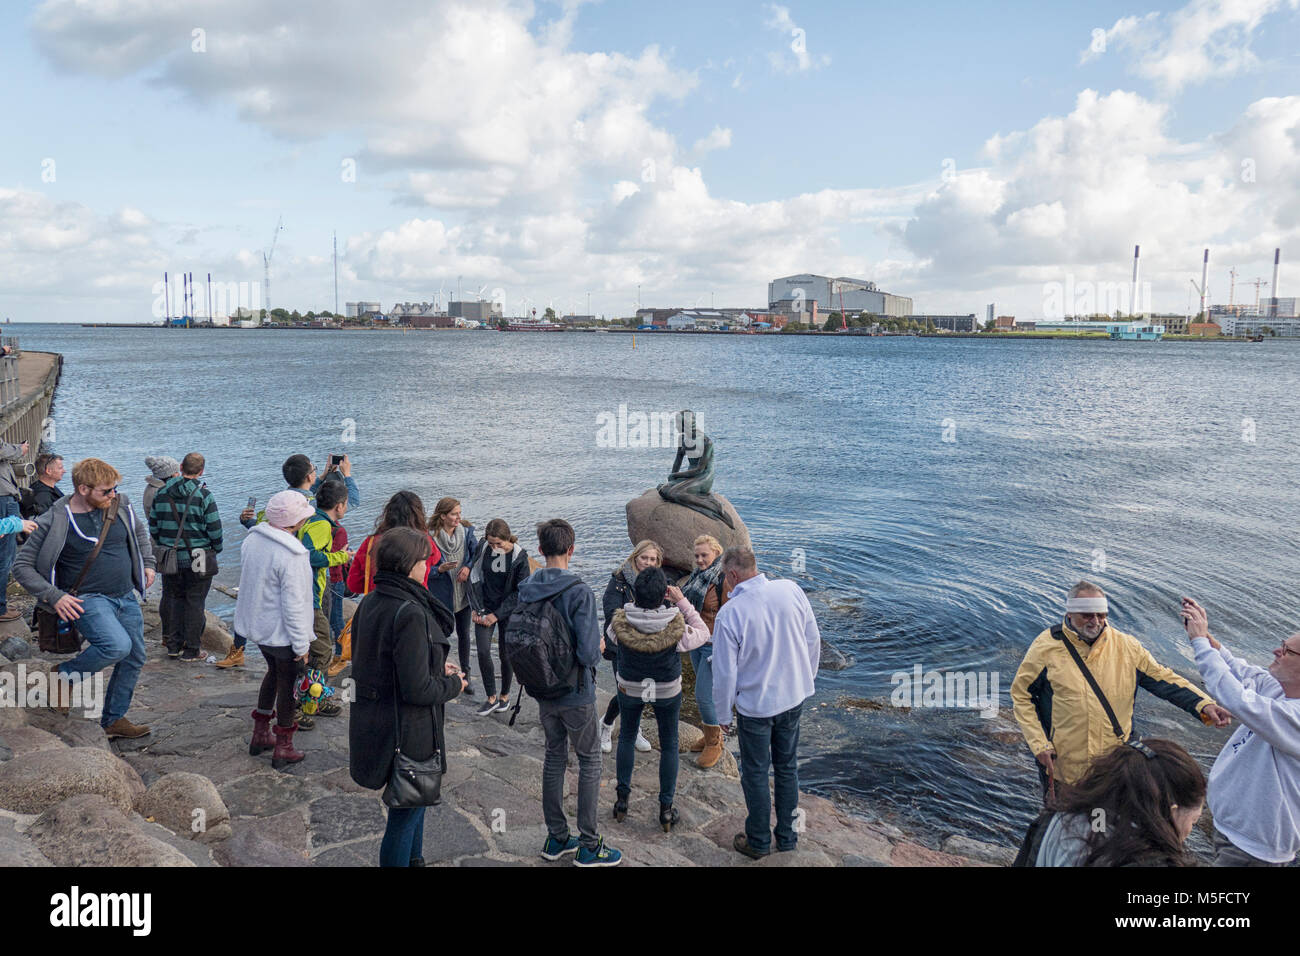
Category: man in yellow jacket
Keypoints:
(1065, 722)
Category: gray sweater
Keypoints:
(9, 453)
(37, 559)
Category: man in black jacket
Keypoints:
(44, 490)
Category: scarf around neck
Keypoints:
(699, 584)
(453, 549)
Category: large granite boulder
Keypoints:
(36, 781)
(215, 639)
(87, 830)
(675, 528)
(189, 805)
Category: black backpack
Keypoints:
(540, 647)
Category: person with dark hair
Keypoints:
(1066, 724)
(1135, 807)
(403, 680)
(766, 651)
(494, 583)
(403, 510)
(184, 515)
(1255, 781)
(300, 475)
(571, 717)
(618, 593)
(454, 537)
(44, 490)
(317, 535)
(274, 608)
(651, 639)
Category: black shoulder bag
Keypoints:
(54, 635)
(1059, 634)
(411, 783)
(166, 557)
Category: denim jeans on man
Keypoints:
(8, 547)
(114, 631)
(336, 612)
(629, 715)
(702, 661)
(770, 742)
(403, 837)
(562, 724)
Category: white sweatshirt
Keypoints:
(1255, 782)
(275, 603)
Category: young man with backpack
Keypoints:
(554, 644)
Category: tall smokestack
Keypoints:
(1133, 300)
(1277, 258)
(1205, 278)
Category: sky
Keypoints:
(596, 155)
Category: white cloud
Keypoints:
(719, 138)
(798, 59)
(1204, 40)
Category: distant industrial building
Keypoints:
(355, 310)
(949, 323)
(578, 319)
(1007, 322)
(787, 293)
(480, 311)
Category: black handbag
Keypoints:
(411, 783)
(165, 557)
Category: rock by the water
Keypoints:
(189, 805)
(17, 850)
(37, 781)
(833, 659)
(27, 740)
(15, 648)
(87, 830)
(675, 527)
(959, 845)
(687, 734)
(215, 639)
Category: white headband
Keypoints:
(1086, 605)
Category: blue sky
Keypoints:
(470, 161)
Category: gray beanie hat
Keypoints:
(162, 466)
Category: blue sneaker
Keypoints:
(601, 856)
(553, 849)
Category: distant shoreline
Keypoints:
(982, 336)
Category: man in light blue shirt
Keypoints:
(766, 648)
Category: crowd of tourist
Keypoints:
(429, 585)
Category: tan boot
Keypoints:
(337, 667)
(698, 745)
(124, 728)
(233, 659)
(712, 751)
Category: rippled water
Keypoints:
(948, 554)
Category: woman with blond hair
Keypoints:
(450, 581)
(646, 554)
(706, 589)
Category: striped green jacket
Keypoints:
(201, 519)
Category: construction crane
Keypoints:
(1232, 285)
(1257, 283)
(266, 268)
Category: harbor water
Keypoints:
(934, 497)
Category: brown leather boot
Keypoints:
(698, 745)
(284, 753)
(712, 751)
(124, 728)
(262, 740)
(235, 658)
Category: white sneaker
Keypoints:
(642, 744)
(606, 737)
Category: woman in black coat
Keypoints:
(399, 647)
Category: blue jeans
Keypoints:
(702, 661)
(336, 613)
(8, 548)
(114, 630)
(403, 837)
(770, 742)
(629, 716)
